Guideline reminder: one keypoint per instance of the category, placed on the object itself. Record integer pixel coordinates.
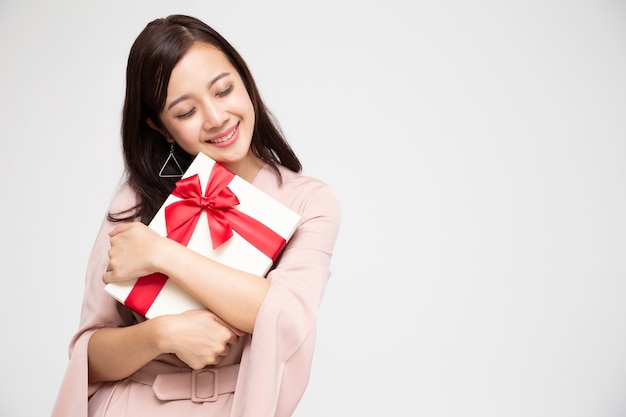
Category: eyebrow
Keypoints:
(186, 96)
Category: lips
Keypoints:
(225, 137)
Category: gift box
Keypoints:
(220, 215)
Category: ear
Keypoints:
(161, 131)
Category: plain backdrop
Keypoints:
(477, 148)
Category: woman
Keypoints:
(249, 353)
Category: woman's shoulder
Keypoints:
(299, 180)
(298, 191)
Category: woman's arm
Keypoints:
(234, 295)
(197, 337)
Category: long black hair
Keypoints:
(153, 56)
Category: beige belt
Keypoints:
(198, 386)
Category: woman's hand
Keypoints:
(135, 248)
(198, 337)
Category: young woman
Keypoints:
(249, 352)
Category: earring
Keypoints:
(175, 171)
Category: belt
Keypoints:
(199, 386)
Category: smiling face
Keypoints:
(208, 110)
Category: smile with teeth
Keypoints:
(224, 138)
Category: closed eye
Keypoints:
(225, 92)
(186, 115)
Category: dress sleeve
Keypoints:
(99, 310)
(276, 364)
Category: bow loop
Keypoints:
(182, 216)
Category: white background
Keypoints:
(478, 150)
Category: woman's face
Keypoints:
(208, 109)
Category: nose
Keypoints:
(214, 116)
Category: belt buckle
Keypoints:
(194, 379)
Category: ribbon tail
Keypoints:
(181, 220)
(219, 227)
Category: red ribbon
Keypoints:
(181, 218)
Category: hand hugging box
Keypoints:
(219, 215)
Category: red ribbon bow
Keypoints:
(181, 218)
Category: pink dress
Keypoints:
(274, 363)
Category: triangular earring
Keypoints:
(171, 169)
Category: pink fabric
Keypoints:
(275, 360)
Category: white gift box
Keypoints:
(237, 252)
